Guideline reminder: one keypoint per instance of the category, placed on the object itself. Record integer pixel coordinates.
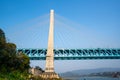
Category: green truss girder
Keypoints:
(73, 54)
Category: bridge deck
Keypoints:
(72, 54)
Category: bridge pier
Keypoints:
(49, 75)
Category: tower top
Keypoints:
(52, 11)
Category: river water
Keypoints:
(91, 78)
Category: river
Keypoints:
(90, 78)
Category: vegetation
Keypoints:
(12, 66)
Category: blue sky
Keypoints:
(86, 23)
(99, 18)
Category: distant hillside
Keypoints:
(88, 71)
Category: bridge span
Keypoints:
(73, 54)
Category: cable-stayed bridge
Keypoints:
(51, 53)
(66, 34)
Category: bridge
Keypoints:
(73, 54)
(50, 54)
(66, 36)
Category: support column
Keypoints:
(49, 67)
(50, 54)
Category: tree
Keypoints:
(2, 39)
(9, 60)
(23, 61)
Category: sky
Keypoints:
(78, 24)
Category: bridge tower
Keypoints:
(49, 68)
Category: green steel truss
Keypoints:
(73, 54)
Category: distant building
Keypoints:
(35, 71)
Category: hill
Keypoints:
(87, 72)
